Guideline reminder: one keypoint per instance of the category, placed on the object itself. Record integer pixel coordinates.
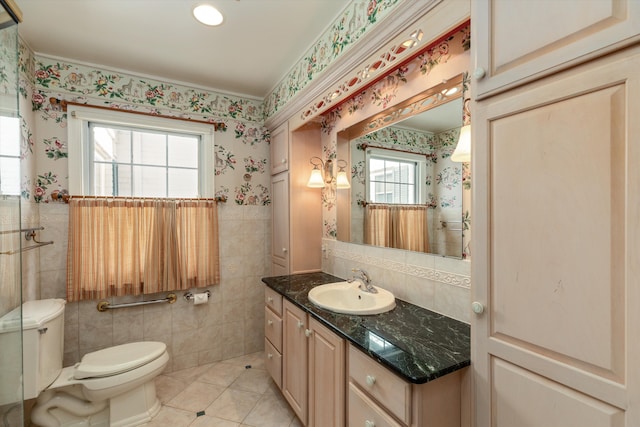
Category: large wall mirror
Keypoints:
(406, 192)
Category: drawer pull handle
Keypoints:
(284, 250)
(300, 324)
(284, 161)
(307, 332)
(270, 322)
(269, 299)
(269, 356)
(368, 423)
(371, 380)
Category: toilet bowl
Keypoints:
(109, 387)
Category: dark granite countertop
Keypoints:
(416, 343)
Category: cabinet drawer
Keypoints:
(273, 328)
(273, 300)
(381, 384)
(273, 362)
(363, 412)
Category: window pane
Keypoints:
(149, 148)
(111, 144)
(183, 151)
(124, 180)
(10, 175)
(130, 161)
(9, 136)
(103, 179)
(149, 181)
(183, 183)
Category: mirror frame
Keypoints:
(424, 101)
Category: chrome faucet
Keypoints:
(365, 281)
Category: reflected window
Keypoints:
(9, 155)
(395, 177)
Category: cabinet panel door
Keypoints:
(280, 223)
(280, 149)
(294, 359)
(557, 244)
(326, 377)
(522, 40)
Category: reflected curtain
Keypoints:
(397, 226)
(120, 246)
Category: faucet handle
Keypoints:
(363, 274)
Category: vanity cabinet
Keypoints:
(378, 397)
(313, 369)
(555, 186)
(519, 41)
(296, 209)
(273, 334)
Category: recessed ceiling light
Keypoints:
(208, 15)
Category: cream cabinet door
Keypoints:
(279, 148)
(556, 262)
(295, 359)
(527, 39)
(327, 380)
(280, 224)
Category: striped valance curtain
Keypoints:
(397, 226)
(124, 246)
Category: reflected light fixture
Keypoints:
(462, 153)
(208, 15)
(342, 181)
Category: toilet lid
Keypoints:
(118, 359)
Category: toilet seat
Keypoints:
(118, 359)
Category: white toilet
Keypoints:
(110, 387)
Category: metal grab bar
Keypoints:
(29, 234)
(22, 230)
(28, 248)
(104, 305)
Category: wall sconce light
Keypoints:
(462, 153)
(322, 174)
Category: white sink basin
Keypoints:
(347, 298)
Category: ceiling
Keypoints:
(254, 48)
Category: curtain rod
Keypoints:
(216, 125)
(219, 199)
(427, 155)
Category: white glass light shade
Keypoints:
(341, 180)
(462, 153)
(208, 15)
(316, 180)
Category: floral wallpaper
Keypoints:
(442, 60)
(357, 20)
(242, 143)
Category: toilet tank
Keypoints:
(43, 341)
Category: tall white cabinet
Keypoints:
(556, 195)
(297, 210)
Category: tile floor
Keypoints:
(229, 393)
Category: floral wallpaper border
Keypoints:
(359, 18)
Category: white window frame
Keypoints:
(80, 155)
(421, 169)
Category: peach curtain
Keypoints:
(120, 246)
(397, 226)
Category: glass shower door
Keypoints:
(11, 394)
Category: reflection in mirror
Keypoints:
(406, 193)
